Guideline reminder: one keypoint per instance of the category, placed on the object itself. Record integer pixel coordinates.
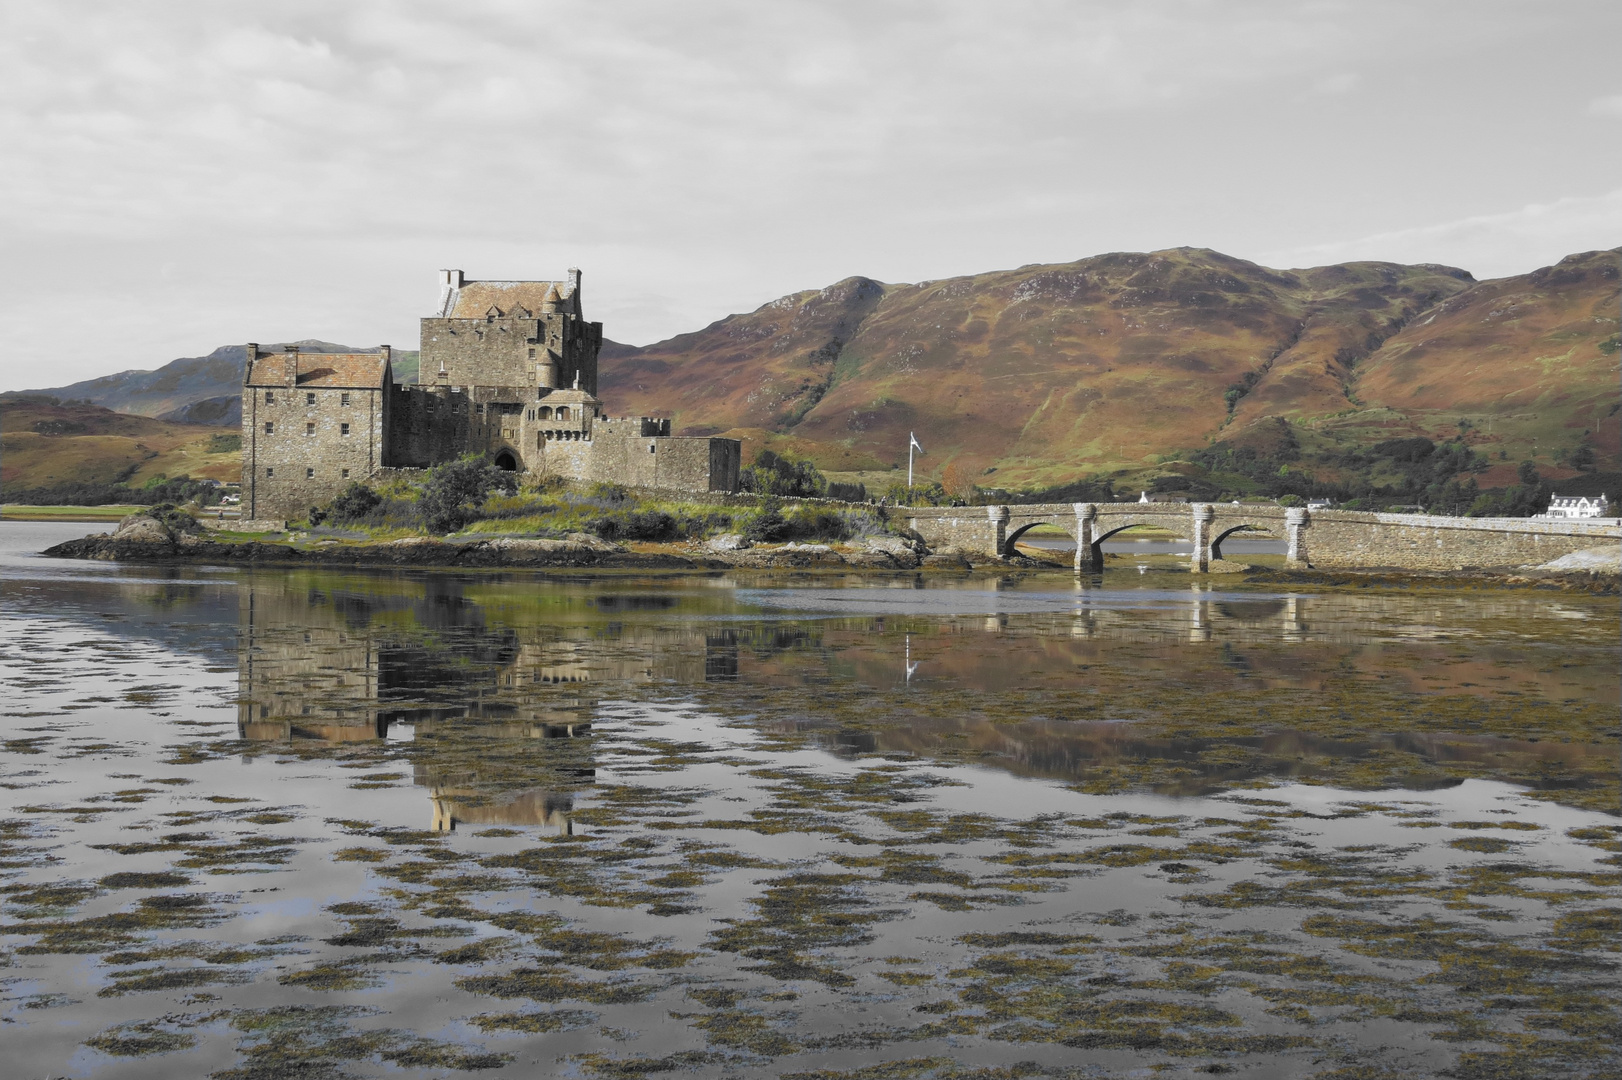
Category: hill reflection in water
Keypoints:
(498, 685)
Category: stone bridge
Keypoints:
(1321, 539)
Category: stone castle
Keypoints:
(508, 369)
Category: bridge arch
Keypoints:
(1271, 529)
(1106, 527)
(1027, 526)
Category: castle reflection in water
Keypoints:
(509, 709)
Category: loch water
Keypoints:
(318, 823)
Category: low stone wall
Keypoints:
(1324, 539)
(1345, 539)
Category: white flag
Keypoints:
(913, 439)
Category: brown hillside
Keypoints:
(1530, 361)
(42, 444)
(1042, 372)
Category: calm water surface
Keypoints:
(264, 823)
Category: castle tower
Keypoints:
(511, 334)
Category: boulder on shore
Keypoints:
(1605, 559)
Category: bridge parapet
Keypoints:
(1326, 539)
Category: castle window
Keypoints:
(309, 474)
(343, 399)
(346, 474)
(309, 397)
(270, 428)
(270, 397)
(532, 354)
(545, 412)
(269, 473)
(309, 429)
(563, 412)
(343, 429)
(653, 448)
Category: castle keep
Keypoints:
(508, 369)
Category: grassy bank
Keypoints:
(19, 512)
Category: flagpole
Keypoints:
(912, 441)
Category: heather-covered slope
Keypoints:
(1040, 372)
(1529, 362)
(1048, 373)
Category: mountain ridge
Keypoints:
(1119, 364)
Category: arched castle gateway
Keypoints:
(508, 370)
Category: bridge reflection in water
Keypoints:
(502, 688)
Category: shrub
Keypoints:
(774, 475)
(224, 444)
(705, 523)
(768, 524)
(356, 502)
(816, 523)
(930, 494)
(635, 525)
(456, 490)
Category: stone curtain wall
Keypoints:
(618, 453)
(307, 457)
(427, 426)
(1324, 539)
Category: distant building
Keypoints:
(508, 369)
(1577, 506)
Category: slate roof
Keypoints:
(360, 371)
(475, 299)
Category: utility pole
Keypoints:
(912, 443)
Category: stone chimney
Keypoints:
(252, 350)
(290, 364)
(449, 282)
(574, 281)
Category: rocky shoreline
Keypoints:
(144, 539)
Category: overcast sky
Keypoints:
(179, 175)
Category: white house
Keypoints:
(1577, 506)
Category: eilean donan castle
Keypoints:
(508, 369)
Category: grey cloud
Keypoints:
(303, 168)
